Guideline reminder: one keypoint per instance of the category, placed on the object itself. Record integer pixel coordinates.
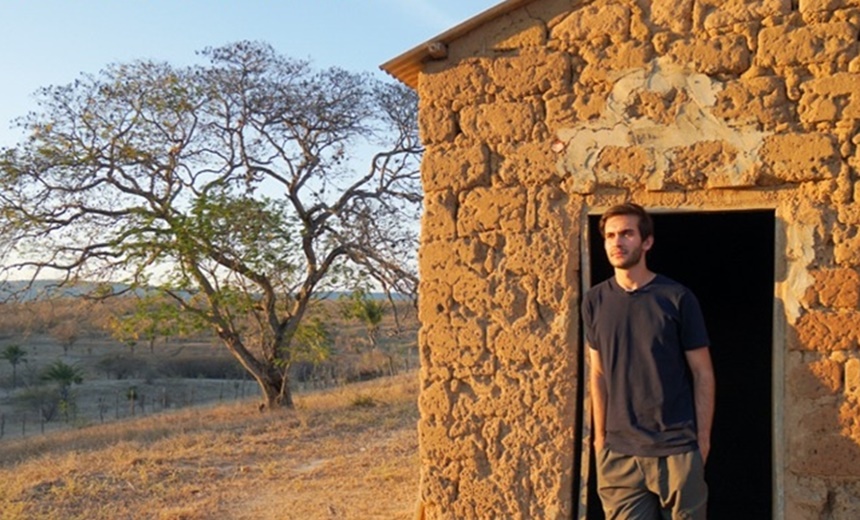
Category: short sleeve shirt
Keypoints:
(642, 337)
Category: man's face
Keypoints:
(623, 242)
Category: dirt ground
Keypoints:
(348, 452)
(198, 448)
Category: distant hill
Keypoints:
(25, 290)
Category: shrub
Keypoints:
(363, 401)
(201, 368)
(44, 400)
(364, 366)
(119, 366)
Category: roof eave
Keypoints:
(408, 65)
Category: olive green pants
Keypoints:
(652, 488)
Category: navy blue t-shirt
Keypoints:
(642, 336)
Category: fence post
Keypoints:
(102, 409)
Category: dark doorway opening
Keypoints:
(727, 260)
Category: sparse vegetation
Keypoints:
(188, 369)
(174, 432)
(332, 459)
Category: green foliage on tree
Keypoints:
(313, 341)
(232, 188)
(153, 317)
(14, 354)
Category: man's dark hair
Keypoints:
(646, 225)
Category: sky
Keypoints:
(51, 42)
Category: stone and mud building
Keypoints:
(736, 123)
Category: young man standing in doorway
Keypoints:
(651, 382)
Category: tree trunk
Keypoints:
(276, 392)
(272, 380)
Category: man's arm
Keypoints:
(598, 398)
(704, 392)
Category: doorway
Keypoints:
(727, 259)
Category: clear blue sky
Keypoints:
(50, 42)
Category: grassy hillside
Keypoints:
(121, 379)
(348, 452)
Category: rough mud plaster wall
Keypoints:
(564, 105)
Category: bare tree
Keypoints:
(67, 333)
(230, 187)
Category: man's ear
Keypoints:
(648, 243)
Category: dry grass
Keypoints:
(350, 452)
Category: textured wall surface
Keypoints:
(562, 106)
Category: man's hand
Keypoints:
(704, 390)
(599, 442)
(704, 448)
(598, 399)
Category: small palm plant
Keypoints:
(14, 354)
(64, 376)
(362, 307)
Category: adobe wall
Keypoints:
(564, 106)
